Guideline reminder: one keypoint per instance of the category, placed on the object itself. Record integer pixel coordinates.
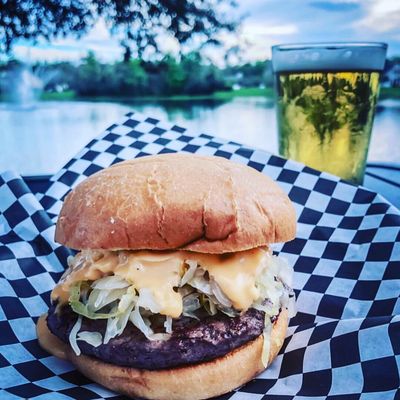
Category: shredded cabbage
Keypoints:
(219, 295)
(168, 324)
(191, 303)
(147, 301)
(113, 299)
(93, 338)
(189, 274)
(200, 283)
(275, 292)
(142, 323)
(208, 304)
(212, 297)
(73, 336)
(83, 309)
(117, 324)
(284, 271)
(126, 301)
(267, 341)
(116, 300)
(291, 307)
(101, 298)
(186, 290)
(70, 260)
(229, 311)
(274, 283)
(110, 282)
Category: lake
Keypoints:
(40, 139)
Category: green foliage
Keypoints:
(389, 93)
(174, 76)
(90, 76)
(136, 78)
(41, 19)
(118, 79)
(245, 92)
(58, 96)
(181, 78)
(251, 75)
(140, 23)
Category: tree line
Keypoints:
(188, 75)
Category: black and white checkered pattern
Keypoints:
(344, 342)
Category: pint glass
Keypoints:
(326, 97)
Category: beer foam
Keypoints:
(329, 57)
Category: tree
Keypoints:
(126, 79)
(90, 78)
(173, 75)
(138, 22)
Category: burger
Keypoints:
(174, 292)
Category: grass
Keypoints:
(223, 95)
(385, 93)
(245, 92)
(390, 93)
(67, 95)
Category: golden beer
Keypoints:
(325, 119)
(326, 98)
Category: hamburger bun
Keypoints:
(199, 381)
(176, 201)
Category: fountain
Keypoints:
(28, 88)
(39, 137)
(21, 86)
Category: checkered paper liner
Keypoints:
(344, 342)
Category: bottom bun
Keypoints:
(196, 382)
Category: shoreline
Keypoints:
(385, 93)
(223, 95)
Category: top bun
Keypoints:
(176, 201)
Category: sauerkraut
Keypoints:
(119, 302)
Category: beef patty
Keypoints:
(191, 342)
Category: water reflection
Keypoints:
(249, 120)
(185, 109)
(42, 139)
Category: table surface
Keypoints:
(384, 178)
(345, 256)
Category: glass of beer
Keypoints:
(326, 97)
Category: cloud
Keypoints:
(268, 22)
(99, 32)
(254, 40)
(64, 50)
(269, 30)
(98, 40)
(31, 53)
(381, 16)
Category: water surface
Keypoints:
(40, 139)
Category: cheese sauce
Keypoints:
(235, 274)
(161, 272)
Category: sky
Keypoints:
(266, 23)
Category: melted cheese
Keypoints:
(85, 266)
(235, 274)
(161, 272)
